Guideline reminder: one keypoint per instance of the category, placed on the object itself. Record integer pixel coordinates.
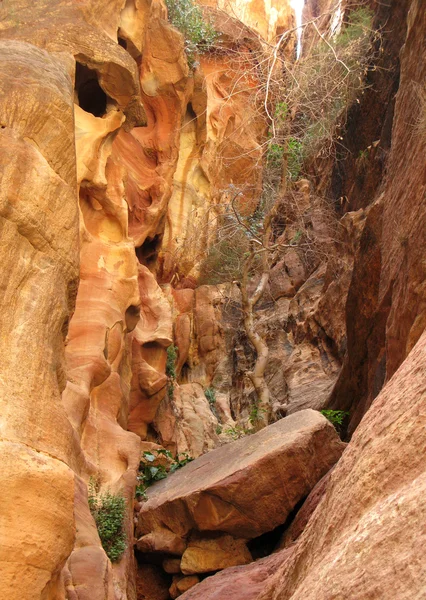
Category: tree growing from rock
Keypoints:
(305, 104)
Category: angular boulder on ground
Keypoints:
(248, 487)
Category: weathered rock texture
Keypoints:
(57, 57)
(114, 161)
(385, 306)
(368, 526)
(38, 448)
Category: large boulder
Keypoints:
(248, 487)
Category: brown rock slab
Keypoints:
(204, 555)
(247, 487)
(304, 514)
(152, 583)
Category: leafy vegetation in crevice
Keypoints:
(198, 33)
(210, 394)
(108, 511)
(156, 465)
(336, 418)
(172, 353)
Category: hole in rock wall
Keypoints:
(269, 542)
(91, 96)
(122, 42)
(184, 373)
(147, 253)
(132, 317)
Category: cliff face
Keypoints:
(116, 161)
(81, 189)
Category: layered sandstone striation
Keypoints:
(116, 162)
(71, 113)
(39, 448)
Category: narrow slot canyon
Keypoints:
(213, 300)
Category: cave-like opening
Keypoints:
(91, 97)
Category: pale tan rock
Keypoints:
(225, 489)
(268, 19)
(39, 449)
(151, 337)
(33, 544)
(163, 541)
(185, 421)
(182, 584)
(214, 553)
(238, 583)
(172, 565)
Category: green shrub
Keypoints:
(274, 155)
(225, 259)
(188, 18)
(294, 158)
(210, 394)
(336, 417)
(149, 473)
(171, 361)
(108, 511)
(255, 414)
(320, 87)
(237, 432)
(180, 461)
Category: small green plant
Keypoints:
(294, 158)
(210, 394)
(219, 429)
(336, 417)
(281, 112)
(188, 18)
(108, 511)
(180, 461)
(237, 432)
(255, 414)
(149, 473)
(171, 369)
(171, 361)
(274, 155)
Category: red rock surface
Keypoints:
(368, 527)
(238, 583)
(233, 489)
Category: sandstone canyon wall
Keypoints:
(115, 161)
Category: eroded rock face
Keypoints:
(39, 449)
(225, 489)
(62, 46)
(374, 532)
(386, 299)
